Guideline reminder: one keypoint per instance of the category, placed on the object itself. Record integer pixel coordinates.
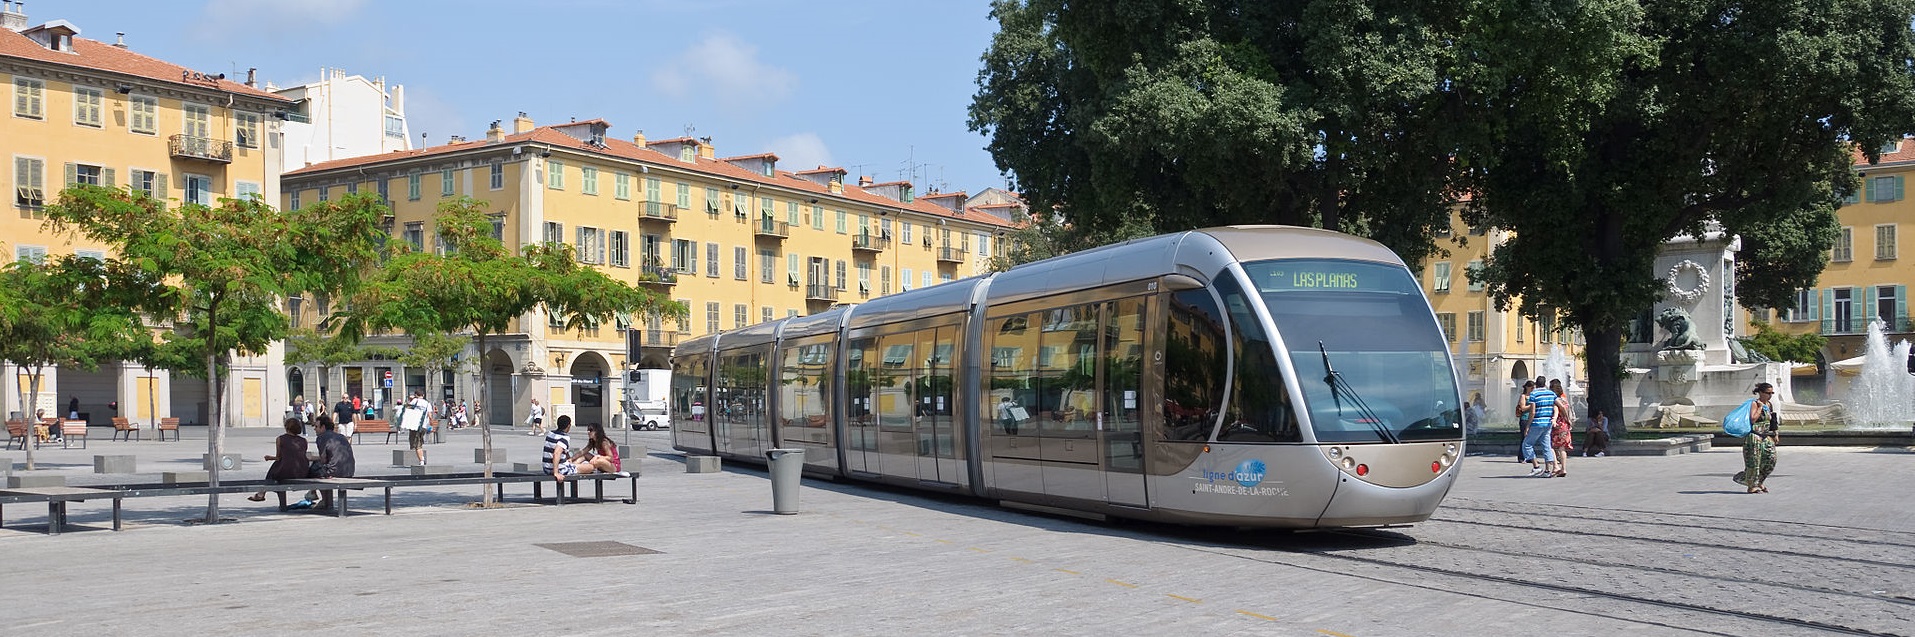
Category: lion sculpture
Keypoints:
(1681, 329)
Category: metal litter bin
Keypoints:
(787, 466)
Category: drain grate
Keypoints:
(597, 549)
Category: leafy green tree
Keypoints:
(1045, 235)
(1796, 348)
(1179, 114)
(61, 313)
(1610, 127)
(480, 286)
(226, 267)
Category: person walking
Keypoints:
(536, 418)
(415, 417)
(1542, 409)
(335, 458)
(1559, 435)
(1523, 410)
(342, 415)
(1758, 448)
(1596, 435)
(1474, 413)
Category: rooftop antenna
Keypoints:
(690, 129)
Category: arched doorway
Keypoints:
(295, 384)
(498, 404)
(591, 386)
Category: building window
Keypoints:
(884, 279)
(1804, 309)
(1448, 321)
(791, 213)
(767, 264)
(740, 263)
(864, 280)
(29, 99)
(685, 256)
(1476, 326)
(925, 281)
(1844, 249)
(1890, 306)
(154, 185)
(1474, 270)
(838, 221)
(651, 189)
(416, 234)
(498, 174)
(199, 190)
(498, 226)
(145, 114)
(198, 120)
(904, 280)
(395, 126)
(764, 314)
(767, 208)
(322, 193)
(35, 254)
(246, 130)
(841, 275)
(445, 182)
(591, 245)
(687, 153)
(791, 268)
(711, 317)
(241, 189)
(412, 186)
(554, 232)
(381, 185)
(907, 231)
(738, 312)
(29, 187)
(1885, 241)
(1441, 285)
(741, 205)
(622, 186)
(555, 174)
(589, 178)
(85, 174)
(711, 201)
(684, 196)
(817, 218)
(1885, 189)
(295, 201)
(621, 248)
(711, 260)
(86, 106)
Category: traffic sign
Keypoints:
(388, 378)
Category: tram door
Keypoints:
(932, 385)
(1123, 413)
(860, 422)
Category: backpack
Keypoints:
(1737, 422)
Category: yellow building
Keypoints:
(83, 111)
(1494, 351)
(736, 239)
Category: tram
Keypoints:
(1260, 376)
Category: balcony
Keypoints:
(657, 276)
(870, 243)
(948, 254)
(655, 211)
(200, 148)
(821, 292)
(659, 338)
(772, 229)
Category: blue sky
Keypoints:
(875, 87)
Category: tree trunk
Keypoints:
(33, 402)
(1604, 353)
(215, 433)
(485, 427)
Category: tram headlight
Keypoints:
(1336, 453)
(1349, 464)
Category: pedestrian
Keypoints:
(73, 408)
(415, 417)
(335, 458)
(358, 404)
(536, 418)
(1559, 436)
(1542, 408)
(557, 445)
(1596, 435)
(462, 416)
(289, 459)
(1758, 448)
(1523, 409)
(342, 414)
(600, 453)
(1475, 413)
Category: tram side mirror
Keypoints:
(1181, 282)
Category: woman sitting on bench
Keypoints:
(289, 458)
(599, 455)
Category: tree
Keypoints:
(480, 286)
(61, 313)
(1798, 348)
(1179, 114)
(1044, 235)
(227, 266)
(436, 353)
(1608, 128)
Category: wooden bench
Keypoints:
(124, 427)
(71, 430)
(17, 434)
(169, 424)
(372, 427)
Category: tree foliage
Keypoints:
(1179, 114)
(225, 269)
(1778, 346)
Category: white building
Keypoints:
(343, 116)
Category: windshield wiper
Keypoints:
(1339, 386)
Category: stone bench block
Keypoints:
(701, 464)
(431, 469)
(113, 464)
(527, 467)
(184, 477)
(498, 455)
(35, 481)
(404, 458)
(6, 466)
(227, 461)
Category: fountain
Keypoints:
(1557, 366)
(1883, 396)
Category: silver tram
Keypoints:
(1244, 376)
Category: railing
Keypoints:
(660, 338)
(772, 228)
(657, 211)
(658, 275)
(821, 292)
(189, 147)
(952, 255)
(869, 243)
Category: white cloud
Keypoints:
(802, 151)
(727, 69)
(272, 18)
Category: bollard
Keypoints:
(787, 467)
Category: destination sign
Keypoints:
(1327, 276)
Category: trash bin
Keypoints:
(787, 466)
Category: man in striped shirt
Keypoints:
(558, 447)
(1542, 415)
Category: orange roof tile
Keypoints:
(100, 56)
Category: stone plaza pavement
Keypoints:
(706, 558)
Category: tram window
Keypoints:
(805, 372)
(1194, 366)
(858, 380)
(1067, 372)
(1260, 409)
(688, 393)
(1014, 384)
(893, 381)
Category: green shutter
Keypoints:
(159, 186)
(1868, 190)
(1868, 305)
(1898, 188)
(1827, 310)
(72, 174)
(107, 178)
(1901, 309)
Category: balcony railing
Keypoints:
(655, 211)
(948, 254)
(772, 228)
(660, 338)
(870, 243)
(821, 292)
(201, 148)
(657, 275)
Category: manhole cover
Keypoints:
(597, 549)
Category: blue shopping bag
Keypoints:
(1737, 422)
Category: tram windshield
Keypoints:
(1373, 365)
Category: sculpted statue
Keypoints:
(1681, 329)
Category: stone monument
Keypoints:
(1681, 368)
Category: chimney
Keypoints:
(638, 137)
(521, 124)
(864, 181)
(397, 99)
(455, 139)
(252, 76)
(13, 15)
(705, 149)
(496, 133)
(119, 39)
